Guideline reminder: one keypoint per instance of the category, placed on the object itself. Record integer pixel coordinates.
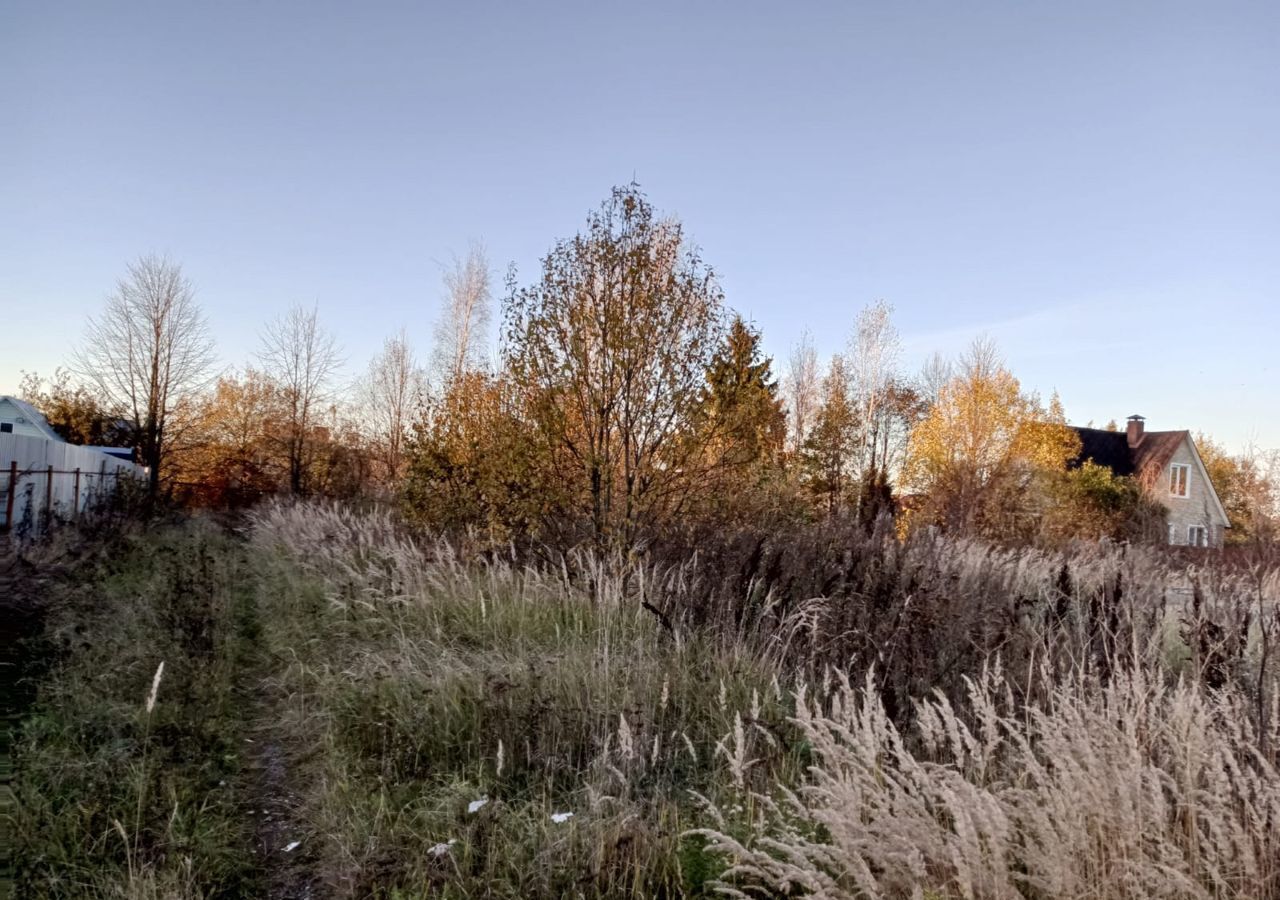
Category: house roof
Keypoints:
(1106, 448)
(1111, 449)
(1156, 449)
(33, 417)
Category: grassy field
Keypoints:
(345, 711)
(118, 794)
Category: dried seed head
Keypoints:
(155, 687)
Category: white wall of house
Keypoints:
(33, 456)
(14, 419)
(1199, 508)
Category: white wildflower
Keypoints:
(442, 848)
(477, 805)
(561, 817)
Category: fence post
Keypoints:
(13, 489)
(48, 501)
(76, 500)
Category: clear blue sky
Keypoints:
(1095, 184)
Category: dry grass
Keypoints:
(681, 723)
(429, 681)
(1133, 789)
(424, 683)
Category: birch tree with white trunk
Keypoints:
(390, 395)
(803, 387)
(463, 325)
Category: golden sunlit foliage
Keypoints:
(979, 457)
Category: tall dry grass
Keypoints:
(413, 684)
(1137, 788)
(693, 711)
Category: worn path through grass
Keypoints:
(190, 799)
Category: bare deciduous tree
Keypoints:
(803, 385)
(390, 393)
(460, 331)
(149, 353)
(301, 357)
(934, 376)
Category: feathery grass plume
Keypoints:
(155, 687)
(1132, 789)
(626, 747)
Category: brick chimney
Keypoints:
(1134, 431)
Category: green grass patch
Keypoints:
(113, 800)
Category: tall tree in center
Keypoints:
(612, 344)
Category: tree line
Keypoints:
(625, 400)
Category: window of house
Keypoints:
(1197, 536)
(1179, 479)
(6, 428)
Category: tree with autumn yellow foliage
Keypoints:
(984, 455)
(1248, 487)
(611, 348)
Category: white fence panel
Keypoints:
(36, 495)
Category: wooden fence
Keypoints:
(42, 480)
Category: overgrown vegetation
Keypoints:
(126, 774)
(445, 723)
(450, 709)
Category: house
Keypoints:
(43, 477)
(20, 417)
(1169, 468)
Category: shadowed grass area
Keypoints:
(114, 800)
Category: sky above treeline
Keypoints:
(1095, 185)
